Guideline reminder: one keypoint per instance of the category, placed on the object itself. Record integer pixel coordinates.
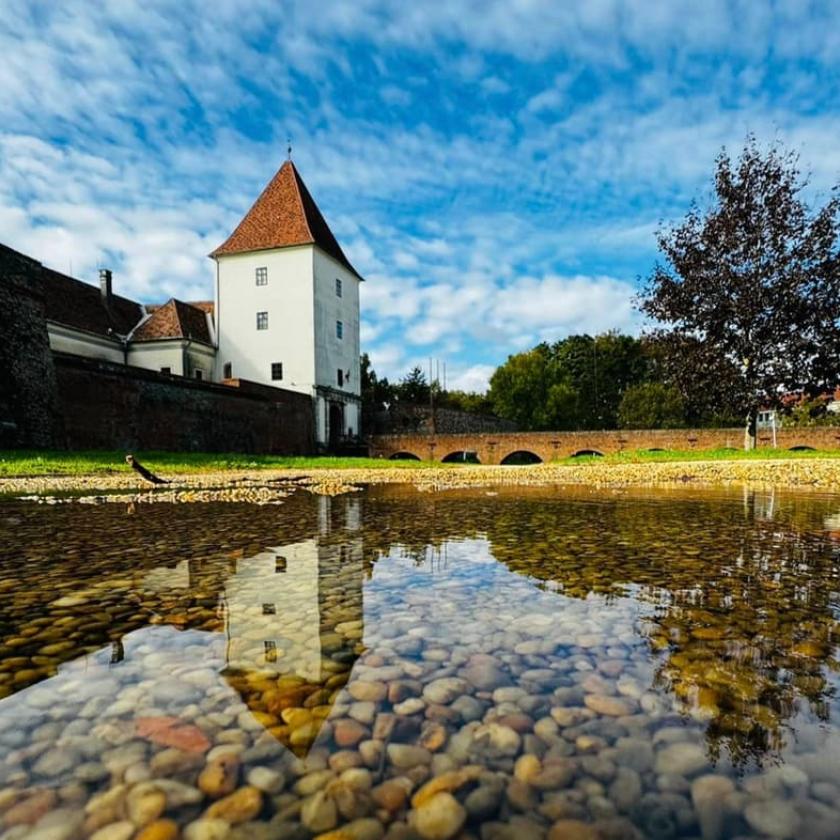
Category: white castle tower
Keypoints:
(287, 306)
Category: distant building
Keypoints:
(286, 313)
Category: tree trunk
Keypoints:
(750, 430)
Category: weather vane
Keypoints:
(289, 147)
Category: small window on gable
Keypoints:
(269, 609)
(262, 276)
(262, 320)
(339, 329)
(228, 371)
(338, 287)
(277, 370)
(340, 377)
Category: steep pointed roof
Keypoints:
(284, 214)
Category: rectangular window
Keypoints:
(262, 320)
(269, 609)
(228, 371)
(279, 565)
(340, 377)
(166, 370)
(338, 287)
(262, 276)
(270, 651)
(277, 370)
(199, 374)
(339, 329)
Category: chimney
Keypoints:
(105, 277)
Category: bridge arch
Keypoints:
(403, 456)
(802, 447)
(461, 456)
(521, 456)
(582, 453)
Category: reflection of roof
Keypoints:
(81, 306)
(175, 319)
(285, 214)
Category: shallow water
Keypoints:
(513, 663)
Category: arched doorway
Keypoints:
(336, 425)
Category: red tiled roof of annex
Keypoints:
(174, 319)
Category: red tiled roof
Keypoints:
(80, 305)
(174, 319)
(284, 214)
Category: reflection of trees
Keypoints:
(744, 612)
(743, 620)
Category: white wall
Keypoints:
(332, 353)
(66, 340)
(154, 355)
(288, 299)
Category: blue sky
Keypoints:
(496, 170)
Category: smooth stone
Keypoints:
(468, 708)
(319, 813)
(219, 776)
(483, 802)
(773, 817)
(404, 756)
(159, 830)
(443, 691)
(266, 779)
(708, 795)
(573, 830)
(438, 818)
(373, 692)
(349, 732)
(122, 830)
(391, 794)
(207, 829)
(681, 759)
(144, 805)
(498, 739)
(606, 705)
(626, 789)
(410, 706)
(240, 806)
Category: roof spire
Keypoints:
(288, 148)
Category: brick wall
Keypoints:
(550, 446)
(109, 406)
(29, 410)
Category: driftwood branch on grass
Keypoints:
(147, 474)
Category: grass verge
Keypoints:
(35, 463)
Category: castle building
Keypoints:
(285, 314)
(287, 305)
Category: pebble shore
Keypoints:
(266, 486)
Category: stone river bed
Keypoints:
(518, 663)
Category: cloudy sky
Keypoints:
(496, 170)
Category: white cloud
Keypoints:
(475, 378)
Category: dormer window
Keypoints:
(262, 276)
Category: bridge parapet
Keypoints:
(494, 448)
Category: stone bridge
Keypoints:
(532, 447)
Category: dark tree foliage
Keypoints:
(748, 293)
(413, 388)
(377, 394)
(575, 383)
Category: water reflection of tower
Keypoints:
(284, 603)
